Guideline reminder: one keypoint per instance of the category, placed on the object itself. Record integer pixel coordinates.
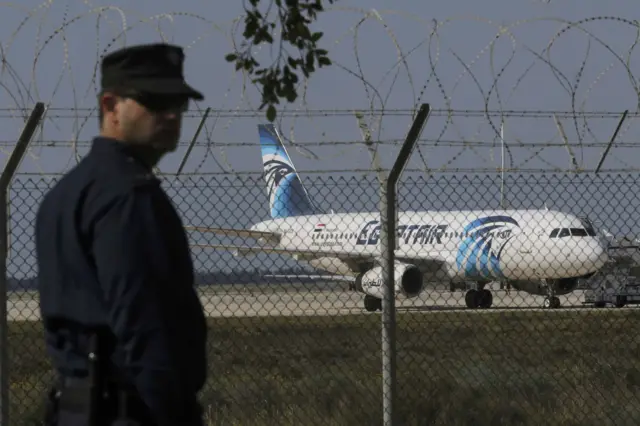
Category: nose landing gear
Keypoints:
(551, 301)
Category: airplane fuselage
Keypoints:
(541, 252)
(453, 245)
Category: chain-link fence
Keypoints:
(291, 341)
(519, 316)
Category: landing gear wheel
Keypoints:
(621, 301)
(551, 302)
(475, 299)
(372, 304)
(471, 299)
(485, 299)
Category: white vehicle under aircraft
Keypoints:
(542, 252)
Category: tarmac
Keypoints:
(292, 300)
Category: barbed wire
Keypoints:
(91, 112)
(496, 99)
(359, 172)
(390, 142)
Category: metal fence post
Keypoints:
(613, 138)
(5, 180)
(387, 249)
(193, 140)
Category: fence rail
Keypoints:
(456, 141)
(295, 341)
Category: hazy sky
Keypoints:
(444, 53)
(500, 55)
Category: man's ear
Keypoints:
(108, 102)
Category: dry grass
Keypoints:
(515, 368)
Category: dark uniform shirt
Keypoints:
(113, 257)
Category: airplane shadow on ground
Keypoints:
(500, 308)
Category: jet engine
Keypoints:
(407, 281)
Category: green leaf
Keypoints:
(309, 57)
(323, 60)
(278, 81)
(271, 113)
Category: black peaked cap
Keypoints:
(149, 68)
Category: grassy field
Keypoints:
(515, 368)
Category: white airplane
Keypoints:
(542, 252)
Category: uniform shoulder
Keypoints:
(122, 175)
(118, 197)
(102, 185)
(116, 165)
(115, 178)
(128, 186)
(140, 180)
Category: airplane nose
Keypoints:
(604, 256)
(600, 256)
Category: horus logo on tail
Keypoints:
(482, 245)
(287, 196)
(275, 170)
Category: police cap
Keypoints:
(147, 68)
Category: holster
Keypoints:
(51, 408)
(70, 403)
(94, 400)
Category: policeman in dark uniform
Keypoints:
(123, 324)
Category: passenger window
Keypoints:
(554, 233)
(564, 232)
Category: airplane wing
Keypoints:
(316, 277)
(428, 262)
(269, 236)
(311, 254)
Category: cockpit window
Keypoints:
(578, 232)
(588, 226)
(571, 232)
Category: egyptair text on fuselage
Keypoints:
(369, 234)
(409, 234)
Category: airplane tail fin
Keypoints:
(287, 195)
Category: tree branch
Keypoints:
(278, 81)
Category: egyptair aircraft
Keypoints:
(542, 252)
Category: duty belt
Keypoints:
(73, 394)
